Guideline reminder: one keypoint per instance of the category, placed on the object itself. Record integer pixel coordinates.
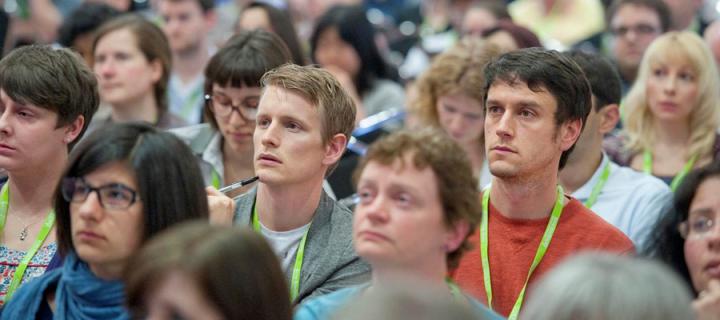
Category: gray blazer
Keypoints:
(330, 261)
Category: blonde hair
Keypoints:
(458, 70)
(705, 115)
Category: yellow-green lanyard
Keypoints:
(44, 231)
(598, 186)
(295, 282)
(542, 248)
(648, 165)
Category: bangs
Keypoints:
(672, 51)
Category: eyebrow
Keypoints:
(701, 211)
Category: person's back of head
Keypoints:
(603, 77)
(76, 31)
(596, 286)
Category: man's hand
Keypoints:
(222, 207)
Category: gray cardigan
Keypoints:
(330, 261)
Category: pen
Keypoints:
(237, 185)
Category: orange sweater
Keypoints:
(512, 247)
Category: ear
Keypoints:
(456, 235)
(72, 130)
(334, 149)
(569, 133)
(157, 70)
(609, 117)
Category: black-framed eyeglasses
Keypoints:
(111, 196)
(223, 107)
(698, 227)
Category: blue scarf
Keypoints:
(79, 295)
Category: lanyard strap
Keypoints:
(190, 104)
(44, 231)
(297, 267)
(648, 166)
(539, 254)
(598, 186)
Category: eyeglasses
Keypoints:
(111, 196)
(700, 227)
(223, 107)
(639, 29)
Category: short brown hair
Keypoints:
(152, 43)
(321, 89)
(205, 5)
(53, 79)
(451, 166)
(233, 267)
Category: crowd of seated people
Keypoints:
(480, 159)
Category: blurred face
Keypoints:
(521, 138)
(103, 236)
(633, 28)
(504, 40)
(461, 117)
(185, 25)
(83, 45)
(254, 18)
(179, 297)
(399, 219)
(29, 136)
(702, 245)
(288, 141)
(672, 90)
(236, 128)
(332, 50)
(476, 21)
(124, 73)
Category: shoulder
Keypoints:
(243, 207)
(170, 121)
(323, 306)
(191, 133)
(481, 310)
(26, 301)
(637, 183)
(582, 228)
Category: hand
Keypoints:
(707, 305)
(222, 207)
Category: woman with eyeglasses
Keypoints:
(123, 184)
(688, 238)
(232, 93)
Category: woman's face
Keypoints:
(461, 117)
(331, 50)
(702, 245)
(672, 90)
(124, 74)
(254, 18)
(178, 297)
(236, 128)
(104, 233)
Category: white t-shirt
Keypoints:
(284, 243)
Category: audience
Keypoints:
(686, 239)
(672, 110)
(232, 91)
(262, 15)
(449, 96)
(108, 204)
(132, 62)
(536, 104)
(47, 97)
(482, 16)
(78, 30)
(595, 286)
(509, 36)
(197, 271)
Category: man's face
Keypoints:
(287, 139)
(521, 138)
(633, 28)
(399, 219)
(185, 24)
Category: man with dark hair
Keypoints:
(76, 31)
(303, 123)
(536, 102)
(629, 200)
(186, 25)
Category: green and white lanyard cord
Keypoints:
(598, 186)
(648, 165)
(192, 102)
(539, 254)
(44, 231)
(297, 267)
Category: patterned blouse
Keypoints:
(10, 259)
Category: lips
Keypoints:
(266, 157)
(713, 269)
(6, 150)
(503, 149)
(372, 236)
(86, 235)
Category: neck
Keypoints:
(431, 273)
(141, 109)
(189, 64)
(283, 208)
(531, 198)
(108, 271)
(672, 133)
(628, 74)
(32, 191)
(578, 171)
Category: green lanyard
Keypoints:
(44, 231)
(542, 248)
(295, 282)
(598, 186)
(648, 165)
(192, 102)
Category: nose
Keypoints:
(236, 119)
(269, 137)
(505, 126)
(105, 69)
(670, 84)
(376, 211)
(90, 208)
(455, 123)
(5, 123)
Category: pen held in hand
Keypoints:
(238, 185)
